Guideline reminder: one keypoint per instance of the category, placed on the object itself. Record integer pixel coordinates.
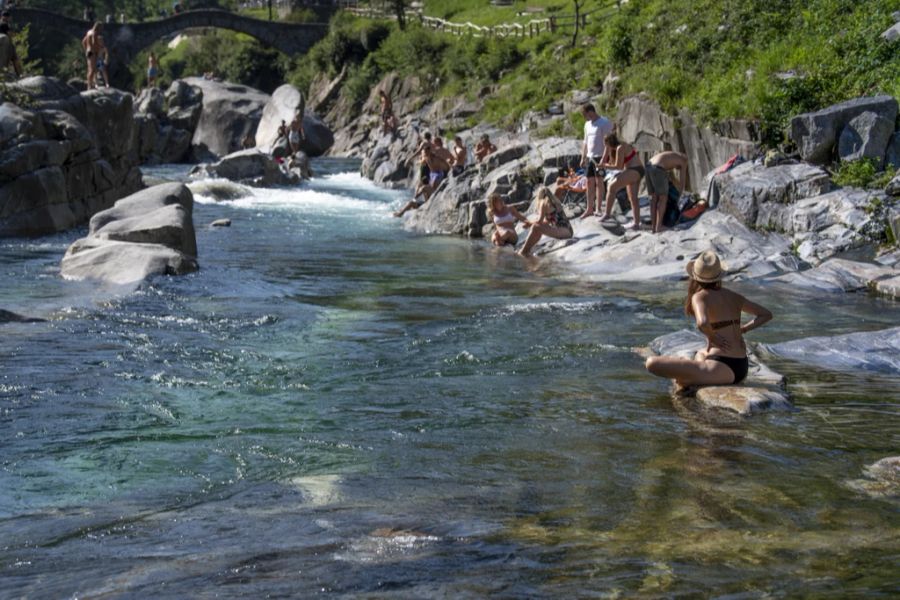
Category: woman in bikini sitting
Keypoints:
(551, 221)
(623, 158)
(717, 312)
(504, 217)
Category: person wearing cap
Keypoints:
(717, 312)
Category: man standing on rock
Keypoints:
(595, 129)
(92, 45)
(657, 179)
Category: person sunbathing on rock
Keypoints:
(551, 221)
(717, 312)
(504, 218)
(437, 171)
(572, 182)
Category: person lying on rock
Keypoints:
(658, 168)
(623, 158)
(504, 218)
(484, 147)
(717, 312)
(437, 171)
(572, 182)
(551, 221)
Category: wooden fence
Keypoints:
(552, 24)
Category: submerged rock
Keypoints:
(882, 478)
(221, 223)
(11, 317)
(875, 351)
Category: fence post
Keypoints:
(553, 24)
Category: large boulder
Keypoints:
(817, 133)
(874, 351)
(185, 104)
(148, 233)
(150, 101)
(317, 136)
(250, 167)
(865, 136)
(286, 103)
(158, 215)
(892, 153)
(66, 159)
(230, 113)
(750, 191)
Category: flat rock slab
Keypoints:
(873, 351)
(763, 389)
(221, 223)
(744, 400)
(840, 275)
(889, 287)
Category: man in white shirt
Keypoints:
(595, 129)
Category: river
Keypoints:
(335, 406)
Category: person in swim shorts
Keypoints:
(596, 128)
(658, 168)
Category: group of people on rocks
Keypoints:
(97, 55)
(436, 163)
(612, 165)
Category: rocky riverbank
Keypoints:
(783, 220)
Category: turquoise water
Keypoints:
(334, 406)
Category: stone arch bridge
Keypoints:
(126, 40)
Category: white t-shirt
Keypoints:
(594, 132)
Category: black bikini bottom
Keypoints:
(738, 366)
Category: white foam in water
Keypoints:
(210, 191)
(309, 201)
(318, 490)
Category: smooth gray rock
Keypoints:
(286, 102)
(318, 137)
(889, 287)
(881, 479)
(507, 154)
(559, 153)
(865, 136)
(892, 33)
(230, 112)
(250, 167)
(817, 133)
(893, 187)
(875, 351)
(123, 263)
(148, 233)
(185, 104)
(221, 223)
(839, 275)
(150, 101)
(158, 215)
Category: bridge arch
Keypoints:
(126, 40)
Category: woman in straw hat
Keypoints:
(718, 315)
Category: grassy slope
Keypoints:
(716, 58)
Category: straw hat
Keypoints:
(706, 268)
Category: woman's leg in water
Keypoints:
(686, 372)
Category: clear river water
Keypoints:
(334, 406)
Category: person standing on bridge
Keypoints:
(92, 46)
